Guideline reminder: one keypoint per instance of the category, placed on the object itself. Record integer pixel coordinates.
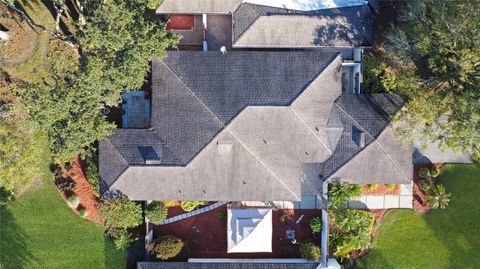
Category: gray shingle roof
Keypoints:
(185, 265)
(198, 93)
(195, 95)
(371, 115)
(257, 25)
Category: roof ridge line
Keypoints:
(190, 90)
(249, 5)
(348, 115)
(227, 128)
(124, 169)
(310, 129)
(388, 155)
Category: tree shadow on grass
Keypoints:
(13, 243)
(457, 225)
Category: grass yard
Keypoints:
(38, 230)
(439, 239)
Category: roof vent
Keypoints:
(223, 50)
(153, 161)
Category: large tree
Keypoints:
(435, 55)
(116, 45)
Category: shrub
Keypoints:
(340, 194)
(439, 198)
(166, 247)
(222, 217)
(423, 172)
(124, 240)
(282, 218)
(435, 171)
(5, 196)
(169, 203)
(390, 187)
(343, 251)
(65, 185)
(316, 224)
(476, 155)
(372, 187)
(156, 212)
(91, 172)
(354, 227)
(188, 206)
(121, 212)
(82, 213)
(310, 251)
(425, 185)
(73, 201)
(73, 175)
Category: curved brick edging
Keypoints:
(192, 213)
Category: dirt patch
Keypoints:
(381, 190)
(23, 39)
(88, 200)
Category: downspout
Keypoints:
(325, 224)
(204, 22)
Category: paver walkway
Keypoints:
(403, 200)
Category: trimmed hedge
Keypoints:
(156, 211)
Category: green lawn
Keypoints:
(447, 238)
(38, 230)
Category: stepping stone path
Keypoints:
(192, 213)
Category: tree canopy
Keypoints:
(115, 47)
(434, 53)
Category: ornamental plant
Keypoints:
(166, 247)
(310, 251)
(372, 187)
(316, 224)
(340, 194)
(73, 201)
(423, 172)
(390, 187)
(435, 171)
(156, 212)
(438, 198)
(188, 206)
(121, 212)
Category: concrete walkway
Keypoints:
(192, 213)
(403, 200)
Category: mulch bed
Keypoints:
(381, 190)
(419, 201)
(82, 189)
(181, 22)
(206, 235)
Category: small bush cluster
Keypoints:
(121, 212)
(73, 201)
(65, 184)
(91, 173)
(188, 206)
(351, 229)
(340, 194)
(372, 187)
(315, 224)
(390, 187)
(166, 247)
(436, 195)
(156, 211)
(310, 251)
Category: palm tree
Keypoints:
(439, 197)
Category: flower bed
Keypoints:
(72, 182)
(381, 189)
